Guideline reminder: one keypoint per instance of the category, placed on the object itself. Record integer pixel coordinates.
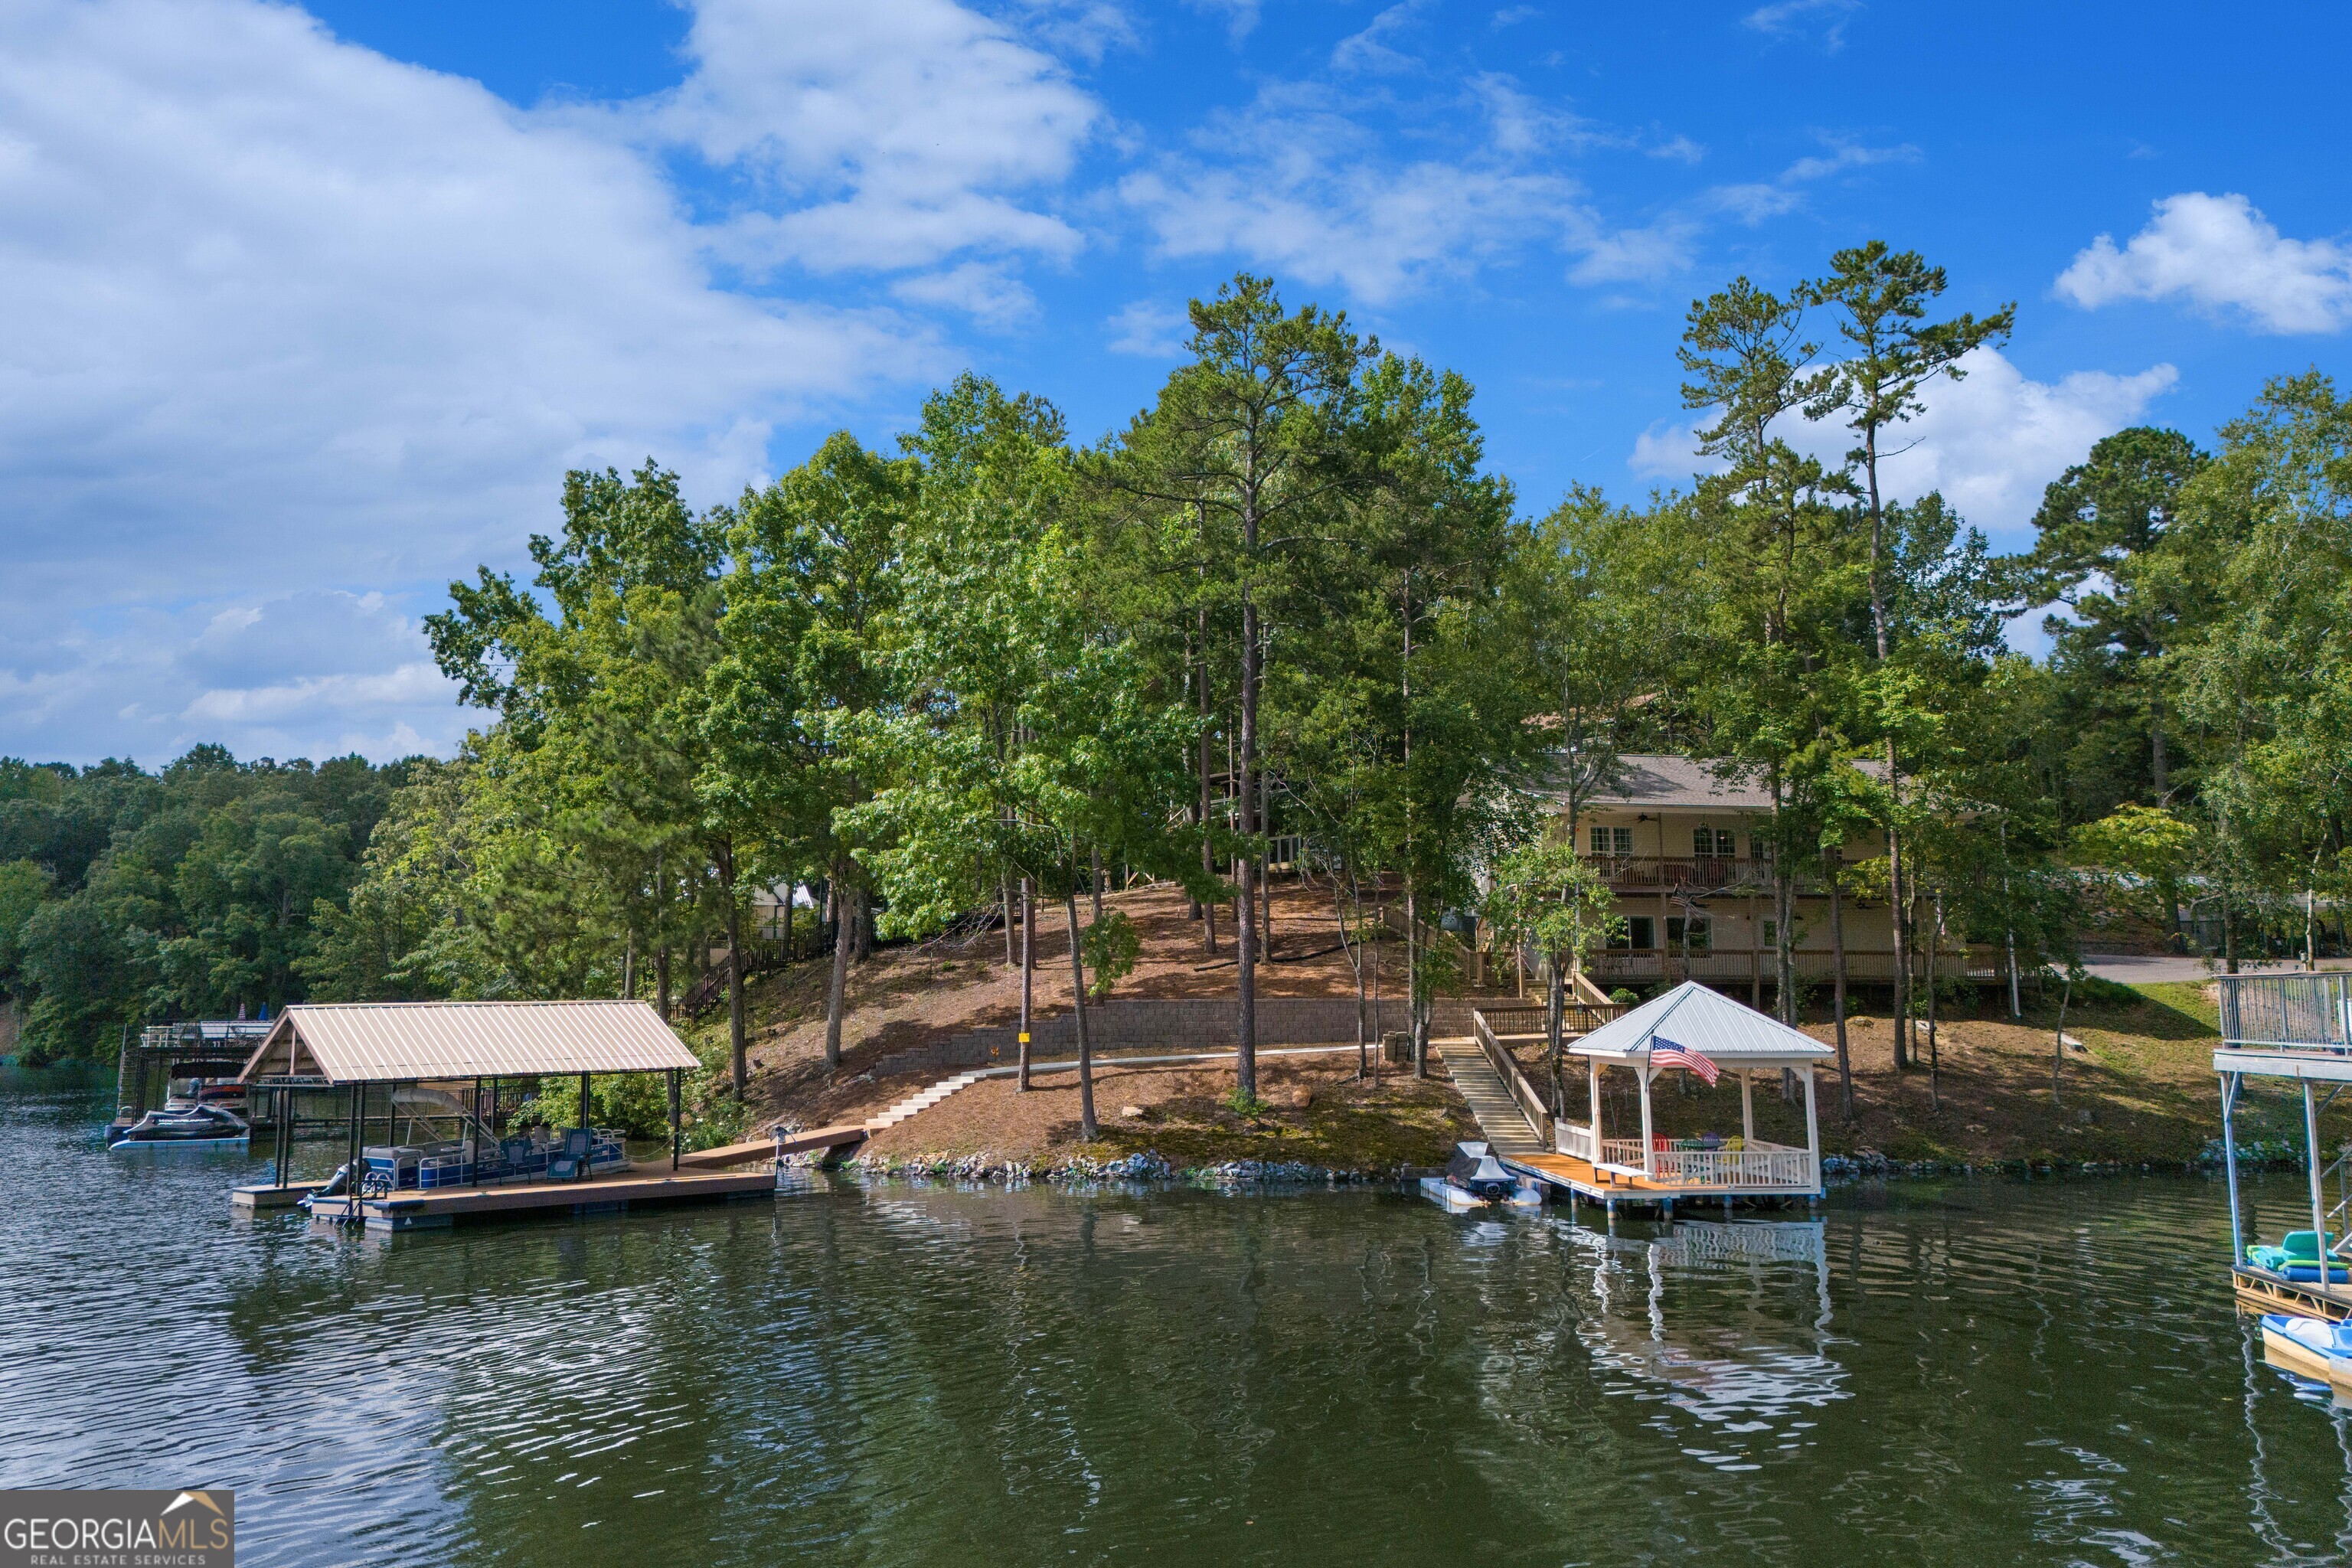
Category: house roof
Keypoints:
(1648, 781)
(405, 1042)
(1703, 1020)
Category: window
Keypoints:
(1600, 841)
(1612, 841)
(1641, 931)
(1773, 939)
(1698, 928)
(1713, 842)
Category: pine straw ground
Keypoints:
(2143, 1090)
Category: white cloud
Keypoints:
(1990, 443)
(308, 674)
(1296, 182)
(991, 298)
(888, 133)
(1784, 17)
(1371, 50)
(2219, 254)
(1149, 331)
(1240, 16)
(286, 314)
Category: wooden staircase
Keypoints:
(1497, 1114)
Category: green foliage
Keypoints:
(127, 897)
(1245, 1105)
(1289, 598)
(1111, 947)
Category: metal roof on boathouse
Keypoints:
(407, 1042)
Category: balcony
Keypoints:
(1705, 873)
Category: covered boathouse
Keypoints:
(1619, 1165)
(387, 1058)
(2295, 1029)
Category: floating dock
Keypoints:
(2261, 1291)
(443, 1208)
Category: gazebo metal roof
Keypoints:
(1706, 1021)
(408, 1042)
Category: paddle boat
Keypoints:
(1474, 1179)
(2310, 1348)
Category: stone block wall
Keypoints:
(1170, 1027)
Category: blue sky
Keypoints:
(311, 308)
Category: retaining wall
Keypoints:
(1139, 1023)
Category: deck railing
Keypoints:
(2310, 1010)
(1530, 1103)
(1622, 1151)
(1772, 1166)
(1526, 1020)
(1574, 1140)
(1682, 871)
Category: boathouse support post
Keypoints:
(674, 1140)
(1813, 1128)
(1746, 1107)
(2230, 1083)
(2318, 1199)
(1649, 1164)
(1592, 1072)
(588, 1157)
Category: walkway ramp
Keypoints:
(1497, 1114)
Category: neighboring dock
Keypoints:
(438, 1209)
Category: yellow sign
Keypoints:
(1025, 1036)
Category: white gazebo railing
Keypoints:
(1576, 1142)
(1772, 1165)
(1622, 1151)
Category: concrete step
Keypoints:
(894, 1114)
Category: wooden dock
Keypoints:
(409, 1210)
(2260, 1290)
(270, 1197)
(839, 1138)
(1612, 1184)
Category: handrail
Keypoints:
(1521, 1020)
(1530, 1103)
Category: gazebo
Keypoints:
(1677, 1031)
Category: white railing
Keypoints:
(1576, 1142)
(1622, 1151)
(1774, 1167)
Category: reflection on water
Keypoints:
(919, 1373)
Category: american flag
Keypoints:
(1664, 1053)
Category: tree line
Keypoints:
(963, 678)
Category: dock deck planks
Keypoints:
(758, 1148)
(1606, 1185)
(2260, 1290)
(418, 1211)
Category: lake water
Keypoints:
(1984, 1373)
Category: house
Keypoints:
(1687, 851)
